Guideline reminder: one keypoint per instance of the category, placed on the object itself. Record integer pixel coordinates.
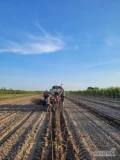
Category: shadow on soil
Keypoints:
(38, 101)
(35, 105)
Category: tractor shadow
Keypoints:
(35, 105)
(38, 101)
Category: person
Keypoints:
(57, 97)
(45, 94)
(62, 95)
(46, 97)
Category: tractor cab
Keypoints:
(55, 90)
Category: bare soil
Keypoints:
(74, 132)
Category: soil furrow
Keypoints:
(40, 142)
(14, 128)
(93, 131)
(107, 118)
(25, 151)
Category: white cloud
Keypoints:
(112, 40)
(109, 42)
(98, 64)
(32, 44)
(76, 47)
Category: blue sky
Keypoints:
(74, 42)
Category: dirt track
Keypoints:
(27, 132)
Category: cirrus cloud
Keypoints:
(32, 44)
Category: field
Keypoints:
(84, 126)
(12, 96)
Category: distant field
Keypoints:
(12, 96)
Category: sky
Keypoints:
(71, 42)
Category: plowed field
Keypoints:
(84, 126)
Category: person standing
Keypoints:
(46, 97)
(62, 95)
(45, 94)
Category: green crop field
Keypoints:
(112, 92)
